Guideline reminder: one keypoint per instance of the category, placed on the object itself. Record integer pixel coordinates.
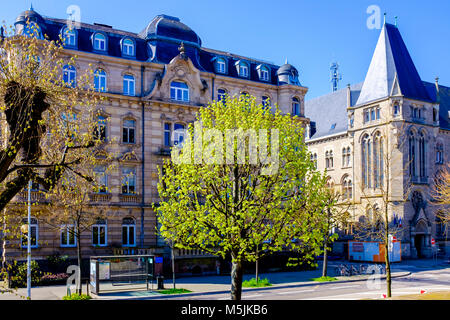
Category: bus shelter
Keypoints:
(121, 273)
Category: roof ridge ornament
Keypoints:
(182, 50)
(31, 6)
(384, 18)
(396, 21)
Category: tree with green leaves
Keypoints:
(224, 191)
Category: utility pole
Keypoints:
(29, 244)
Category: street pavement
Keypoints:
(409, 277)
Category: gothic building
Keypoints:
(388, 135)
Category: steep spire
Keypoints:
(392, 71)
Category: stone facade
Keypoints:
(415, 145)
(161, 56)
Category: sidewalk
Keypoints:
(214, 284)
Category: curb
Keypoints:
(292, 285)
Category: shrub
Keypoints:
(57, 263)
(18, 274)
(76, 296)
(252, 283)
(323, 279)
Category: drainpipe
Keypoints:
(212, 89)
(143, 158)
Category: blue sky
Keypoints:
(309, 33)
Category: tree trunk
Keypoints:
(78, 234)
(257, 266)
(173, 266)
(325, 258)
(236, 280)
(388, 267)
(4, 240)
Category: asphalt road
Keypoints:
(428, 280)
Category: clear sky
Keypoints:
(309, 33)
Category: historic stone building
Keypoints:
(154, 82)
(390, 133)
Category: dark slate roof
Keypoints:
(158, 42)
(391, 68)
(444, 103)
(329, 112)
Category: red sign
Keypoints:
(394, 239)
(433, 242)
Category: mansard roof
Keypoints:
(157, 43)
(392, 71)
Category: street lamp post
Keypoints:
(29, 244)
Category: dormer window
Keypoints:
(221, 65)
(296, 106)
(243, 69)
(128, 47)
(263, 72)
(99, 42)
(32, 30)
(179, 91)
(69, 37)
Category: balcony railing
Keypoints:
(36, 196)
(130, 198)
(100, 197)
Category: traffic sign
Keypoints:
(433, 242)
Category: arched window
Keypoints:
(346, 157)
(69, 37)
(243, 69)
(68, 235)
(34, 233)
(378, 161)
(327, 160)
(221, 65)
(422, 153)
(439, 153)
(314, 159)
(100, 233)
(128, 47)
(128, 232)
(366, 161)
(263, 73)
(265, 102)
(99, 42)
(347, 187)
(221, 94)
(128, 131)
(100, 80)
(128, 85)
(179, 133)
(412, 155)
(179, 91)
(70, 76)
(296, 106)
(32, 30)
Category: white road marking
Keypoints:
(294, 292)
(343, 287)
(252, 296)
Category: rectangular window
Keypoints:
(33, 238)
(128, 85)
(167, 134)
(128, 131)
(102, 179)
(128, 181)
(366, 116)
(377, 113)
(68, 236)
(243, 71)
(128, 235)
(100, 130)
(99, 235)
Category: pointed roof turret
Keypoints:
(392, 71)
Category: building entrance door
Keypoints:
(418, 241)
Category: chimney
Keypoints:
(349, 96)
(437, 90)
